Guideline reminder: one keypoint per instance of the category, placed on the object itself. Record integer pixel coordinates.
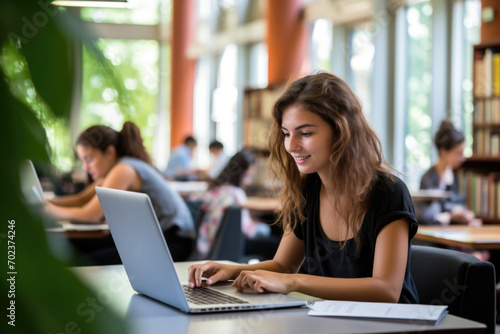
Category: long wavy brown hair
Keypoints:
(356, 156)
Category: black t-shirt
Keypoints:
(389, 201)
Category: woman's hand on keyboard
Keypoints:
(212, 271)
(265, 281)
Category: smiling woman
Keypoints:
(348, 221)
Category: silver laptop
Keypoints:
(149, 266)
(30, 184)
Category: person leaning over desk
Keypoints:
(348, 221)
(119, 160)
(228, 189)
(450, 144)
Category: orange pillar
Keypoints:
(182, 71)
(490, 31)
(287, 40)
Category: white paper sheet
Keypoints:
(428, 313)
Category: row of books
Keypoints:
(256, 132)
(259, 103)
(487, 72)
(487, 111)
(487, 141)
(483, 192)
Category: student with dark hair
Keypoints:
(348, 221)
(450, 144)
(218, 157)
(179, 165)
(119, 160)
(225, 190)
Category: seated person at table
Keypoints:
(226, 190)
(348, 222)
(450, 144)
(119, 160)
(218, 157)
(179, 165)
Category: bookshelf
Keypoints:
(481, 172)
(257, 119)
(257, 116)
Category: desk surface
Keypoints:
(149, 316)
(429, 194)
(262, 204)
(185, 188)
(471, 237)
(79, 231)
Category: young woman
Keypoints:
(119, 160)
(348, 222)
(450, 144)
(228, 189)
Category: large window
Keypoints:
(257, 76)
(418, 139)
(225, 98)
(139, 12)
(135, 64)
(470, 30)
(361, 64)
(321, 45)
(134, 84)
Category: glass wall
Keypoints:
(225, 98)
(361, 63)
(418, 139)
(321, 45)
(135, 70)
(134, 85)
(257, 76)
(139, 12)
(471, 32)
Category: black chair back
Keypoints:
(459, 280)
(229, 242)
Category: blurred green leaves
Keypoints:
(35, 86)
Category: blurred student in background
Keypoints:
(180, 164)
(219, 159)
(450, 144)
(119, 160)
(225, 190)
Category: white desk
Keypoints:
(147, 316)
(78, 231)
(185, 188)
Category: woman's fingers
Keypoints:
(249, 279)
(197, 271)
(213, 271)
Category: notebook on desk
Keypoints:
(149, 266)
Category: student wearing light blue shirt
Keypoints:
(179, 165)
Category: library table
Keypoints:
(429, 195)
(263, 205)
(78, 231)
(470, 237)
(145, 315)
(186, 188)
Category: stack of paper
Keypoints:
(431, 314)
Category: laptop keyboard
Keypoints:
(204, 296)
